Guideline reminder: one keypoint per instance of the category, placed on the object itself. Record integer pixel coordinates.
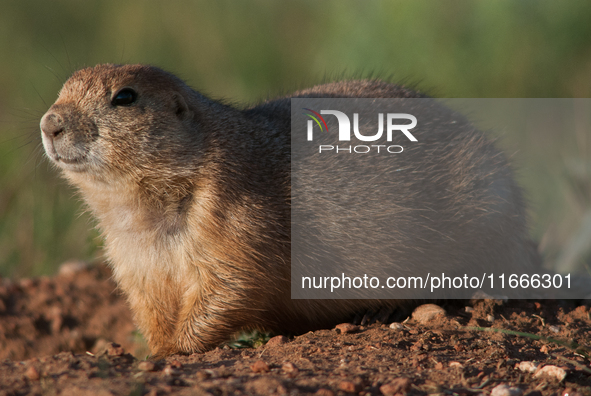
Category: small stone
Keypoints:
(345, 328)
(554, 329)
(439, 366)
(427, 312)
(170, 372)
(551, 371)
(399, 385)
(505, 390)
(397, 326)
(264, 386)
(26, 283)
(468, 309)
(260, 367)
(176, 364)
(544, 349)
(277, 340)
(146, 366)
(528, 367)
(349, 387)
(570, 392)
(113, 349)
(70, 268)
(455, 364)
(290, 369)
(490, 318)
(32, 374)
(324, 392)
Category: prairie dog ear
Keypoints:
(180, 106)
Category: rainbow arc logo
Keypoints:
(316, 117)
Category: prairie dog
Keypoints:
(193, 199)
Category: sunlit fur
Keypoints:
(193, 200)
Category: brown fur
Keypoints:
(193, 198)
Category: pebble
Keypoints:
(260, 367)
(528, 367)
(146, 366)
(427, 312)
(554, 329)
(290, 369)
(552, 372)
(345, 328)
(505, 390)
(170, 372)
(397, 326)
(176, 364)
(397, 386)
(468, 309)
(70, 268)
(265, 386)
(490, 318)
(277, 340)
(324, 392)
(571, 392)
(349, 387)
(32, 374)
(113, 349)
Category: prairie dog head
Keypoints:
(115, 123)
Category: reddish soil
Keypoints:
(55, 334)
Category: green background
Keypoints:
(245, 51)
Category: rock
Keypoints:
(113, 349)
(265, 386)
(554, 329)
(277, 340)
(528, 367)
(176, 364)
(544, 349)
(260, 367)
(551, 371)
(490, 318)
(73, 390)
(290, 369)
(71, 267)
(349, 387)
(397, 326)
(456, 364)
(505, 390)
(399, 385)
(170, 372)
(146, 366)
(345, 328)
(570, 392)
(32, 374)
(427, 312)
(324, 392)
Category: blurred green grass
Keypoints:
(245, 51)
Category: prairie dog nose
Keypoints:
(51, 124)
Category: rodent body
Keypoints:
(193, 199)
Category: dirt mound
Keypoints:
(434, 352)
(75, 311)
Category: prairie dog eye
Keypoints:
(124, 97)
